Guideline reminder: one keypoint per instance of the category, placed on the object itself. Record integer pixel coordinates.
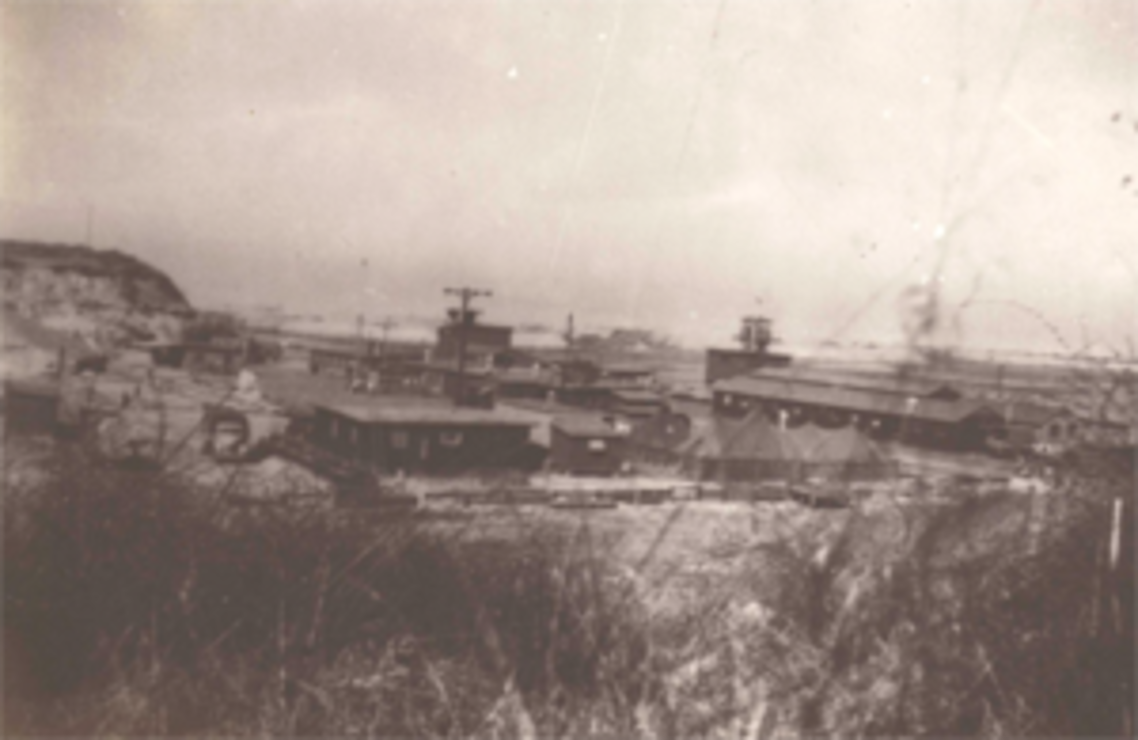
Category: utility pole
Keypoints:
(465, 295)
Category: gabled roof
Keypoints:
(753, 437)
(813, 444)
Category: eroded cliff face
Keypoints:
(106, 297)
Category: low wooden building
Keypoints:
(929, 415)
(586, 445)
(424, 436)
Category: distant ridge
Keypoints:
(134, 282)
(57, 295)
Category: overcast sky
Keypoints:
(659, 162)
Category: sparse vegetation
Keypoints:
(134, 606)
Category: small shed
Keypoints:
(586, 445)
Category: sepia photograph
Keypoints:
(753, 369)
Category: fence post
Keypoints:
(1115, 551)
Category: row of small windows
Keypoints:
(398, 439)
(746, 404)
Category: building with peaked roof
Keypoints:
(736, 449)
(752, 448)
(843, 454)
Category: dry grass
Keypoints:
(133, 606)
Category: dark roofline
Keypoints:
(852, 380)
(854, 399)
(624, 370)
(476, 325)
(440, 415)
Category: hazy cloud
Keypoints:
(656, 162)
